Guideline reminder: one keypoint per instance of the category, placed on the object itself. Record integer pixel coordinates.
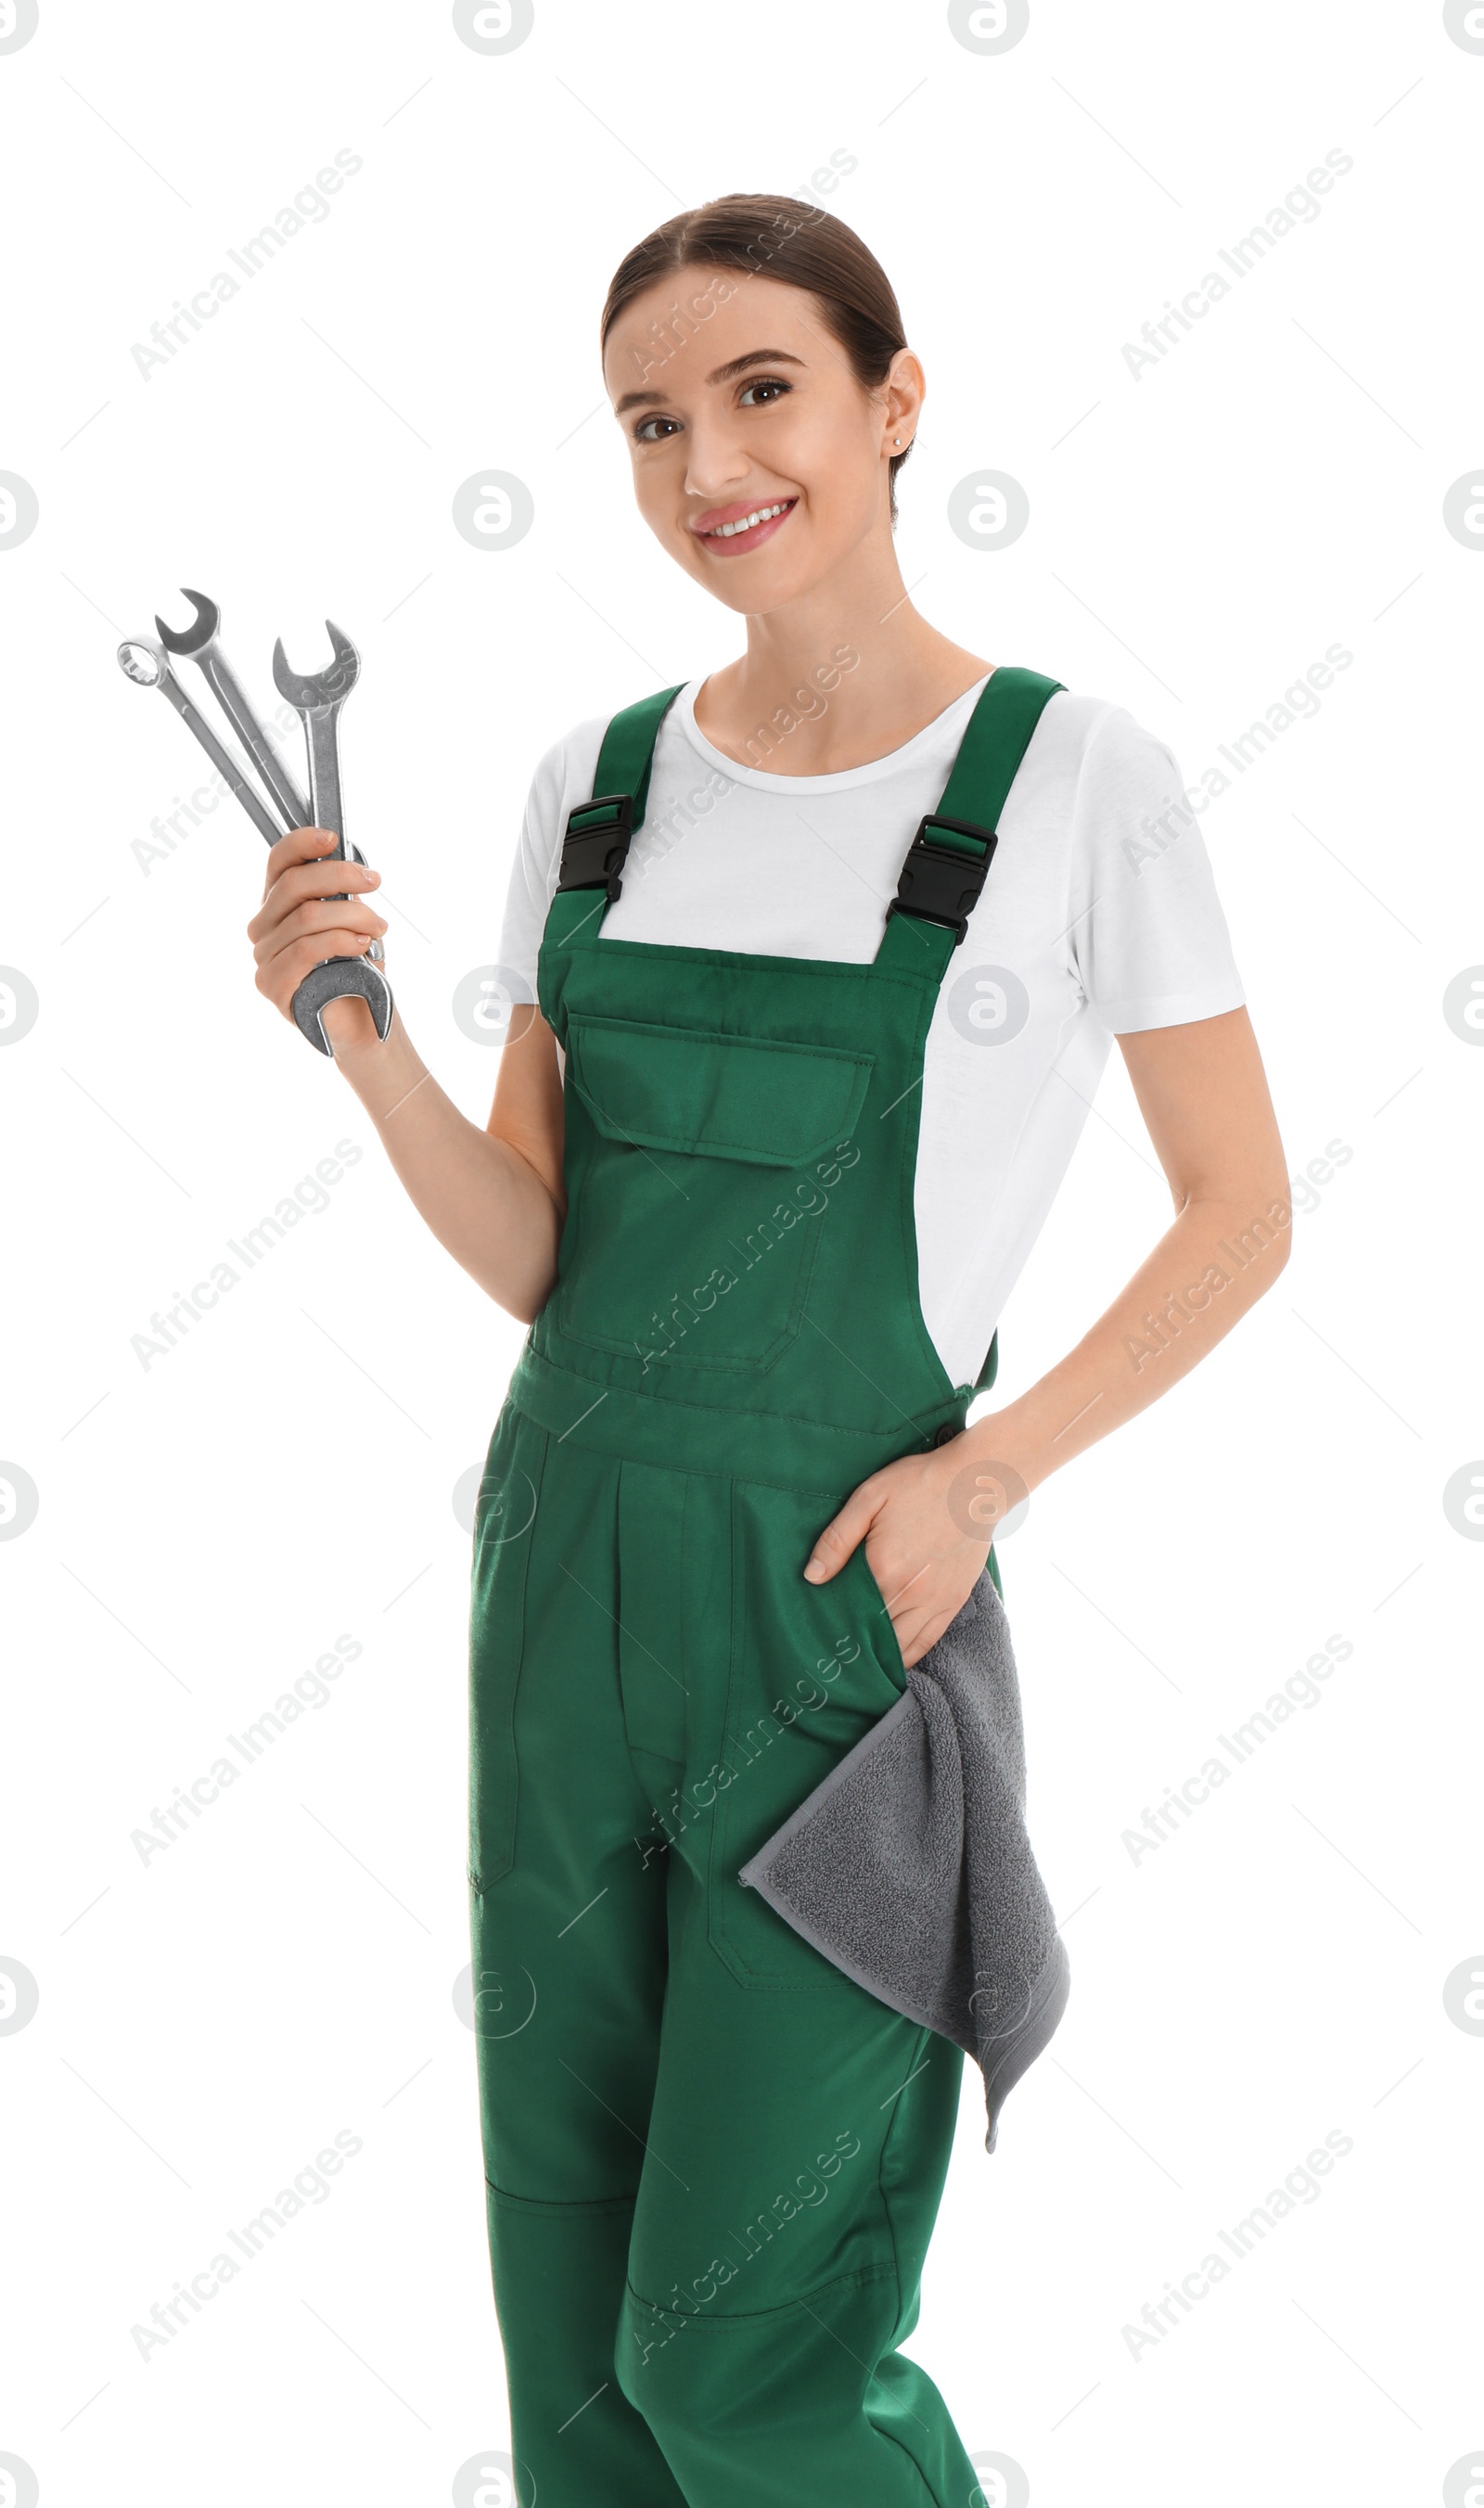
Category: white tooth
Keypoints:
(747, 523)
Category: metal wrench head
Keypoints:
(142, 662)
(320, 687)
(189, 641)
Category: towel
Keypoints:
(909, 1866)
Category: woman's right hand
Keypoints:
(301, 921)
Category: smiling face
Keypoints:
(760, 462)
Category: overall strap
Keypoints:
(948, 859)
(596, 842)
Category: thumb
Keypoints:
(841, 1536)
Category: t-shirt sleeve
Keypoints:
(562, 778)
(1148, 938)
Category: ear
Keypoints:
(902, 393)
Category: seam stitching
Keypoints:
(863, 2274)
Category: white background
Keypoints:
(209, 1524)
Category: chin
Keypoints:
(752, 591)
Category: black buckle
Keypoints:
(593, 855)
(940, 884)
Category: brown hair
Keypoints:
(766, 233)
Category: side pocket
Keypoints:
(873, 1618)
(504, 1512)
(812, 1669)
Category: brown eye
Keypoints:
(763, 383)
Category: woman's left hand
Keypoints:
(926, 1541)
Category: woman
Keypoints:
(818, 1080)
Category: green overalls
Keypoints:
(713, 2160)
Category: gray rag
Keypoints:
(909, 1866)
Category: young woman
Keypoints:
(822, 956)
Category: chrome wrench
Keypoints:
(197, 643)
(317, 697)
(146, 665)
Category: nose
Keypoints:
(718, 461)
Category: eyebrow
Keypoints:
(721, 375)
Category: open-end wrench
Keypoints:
(197, 643)
(146, 665)
(319, 697)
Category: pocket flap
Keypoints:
(755, 1099)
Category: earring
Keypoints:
(895, 439)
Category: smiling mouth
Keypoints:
(748, 528)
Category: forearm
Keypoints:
(480, 1197)
(1210, 1267)
(928, 1519)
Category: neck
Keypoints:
(846, 674)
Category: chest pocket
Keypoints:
(700, 1174)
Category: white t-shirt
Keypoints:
(1095, 920)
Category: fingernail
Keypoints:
(814, 1572)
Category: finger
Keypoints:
(924, 1635)
(302, 883)
(894, 1601)
(842, 1535)
(299, 845)
(318, 915)
(299, 878)
(922, 1623)
(280, 975)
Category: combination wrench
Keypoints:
(197, 643)
(317, 700)
(146, 665)
(317, 697)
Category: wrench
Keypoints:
(319, 697)
(197, 643)
(146, 665)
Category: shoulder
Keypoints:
(566, 776)
(564, 773)
(1100, 774)
(1144, 924)
(562, 779)
(1103, 741)
(567, 765)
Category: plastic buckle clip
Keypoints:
(941, 883)
(596, 844)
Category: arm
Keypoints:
(493, 1197)
(927, 1520)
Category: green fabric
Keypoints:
(954, 840)
(713, 2160)
(628, 748)
(994, 742)
(767, 1104)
